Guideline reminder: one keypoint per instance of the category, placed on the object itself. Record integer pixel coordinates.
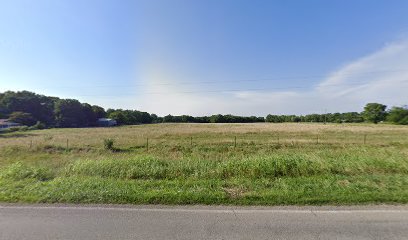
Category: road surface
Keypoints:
(54, 222)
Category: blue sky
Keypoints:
(206, 57)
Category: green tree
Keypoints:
(40, 107)
(69, 113)
(118, 115)
(217, 118)
(273, 118)
(22, 118)
(352, 117)
(99, 111)
(398, 115)
(154, 117)
(168, 118)
(88, 115)
(374, 112)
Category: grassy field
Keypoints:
(259, 164)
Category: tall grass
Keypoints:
(20, 171)
(253, 167)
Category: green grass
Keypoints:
(340, 169)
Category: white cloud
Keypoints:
(379, 77)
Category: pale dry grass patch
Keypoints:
(207, 133)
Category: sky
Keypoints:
(204, 57)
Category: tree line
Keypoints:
(33, 109)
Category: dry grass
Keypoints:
(271, 164)
(259, 132)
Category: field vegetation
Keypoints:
(257, 164)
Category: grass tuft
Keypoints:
(19, 171)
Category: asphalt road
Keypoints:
(44, 222)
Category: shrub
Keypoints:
(108, 144)
(15, 129)
(22, 118)
(38, 126)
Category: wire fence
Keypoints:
(233, 141)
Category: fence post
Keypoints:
(147, 144)
(276, 166)
(31, 143)
(67, 144)
(191, 141)
(235, 141)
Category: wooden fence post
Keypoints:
(235, 141)
(147, 144)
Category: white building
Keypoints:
(106, 122)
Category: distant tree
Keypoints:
(99, 111)
(273, 118)
(398, 115)
(3, 110)
(168, 118)
(374, 112)
(27, 108)
(313, 118)
(260, 119)
(40, 107)
(117, 115)
(69, 113)
(204, 119)
(296, 119)
(22, 118)
(155, 118)
(187, 119)
(88, 115)
(109, 111)
(144, 117)
(131, 117)
(217, 118)
(352, 117)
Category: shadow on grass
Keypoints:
(14, 135)
(121, 150)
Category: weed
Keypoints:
(108, 144)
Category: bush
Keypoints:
(108, 144)
(15, 129)
(39, 125)
(22, 118)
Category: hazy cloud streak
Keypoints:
(379, 77)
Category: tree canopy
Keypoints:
(398, 115)
(29, 108)
(374, 112)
